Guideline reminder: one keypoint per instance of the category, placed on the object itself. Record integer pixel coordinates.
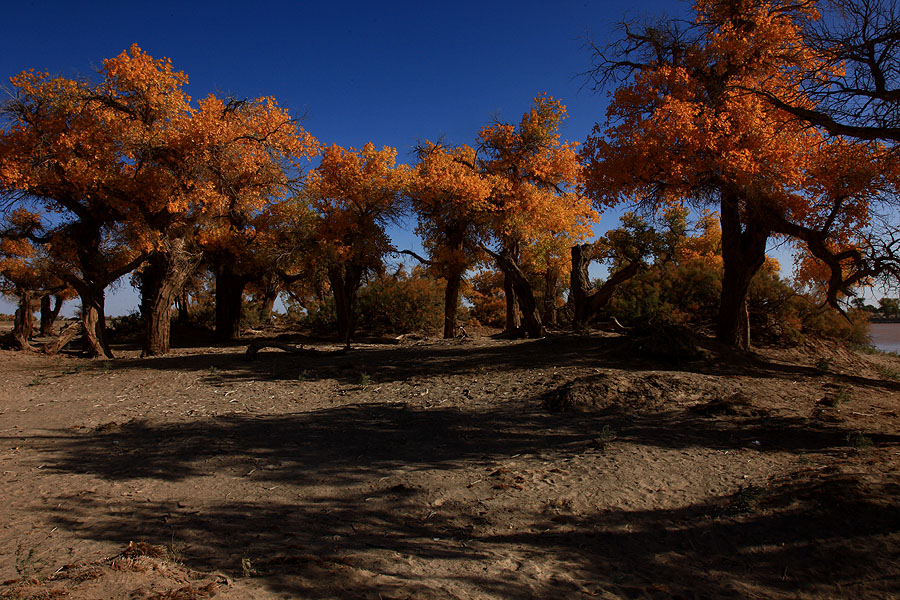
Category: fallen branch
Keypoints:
(65, 336)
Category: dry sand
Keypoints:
(433, 469)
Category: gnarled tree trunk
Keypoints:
(229, 302)
(587, 303)
(93, 321)
(513, 320)
(23, 323)
(164, 276)
(519, 284)
(49, 313)
(345, 282)
(743, 253)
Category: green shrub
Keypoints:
(401, 304)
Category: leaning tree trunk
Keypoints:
(534, 327)
(345, 282)
(588, 304)
(743, 253)
(65, 336)
(23, 324)
(93, 321)
(229, 302)
(164, 276)
(451, 302)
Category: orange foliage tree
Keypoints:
(682, 127)
(532, 203)
(355, 194)
(57, 153)
(134, 169)
(255, 154)
(25, 274)
(451, 199)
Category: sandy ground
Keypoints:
(436, 469)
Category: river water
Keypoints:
(885, 336)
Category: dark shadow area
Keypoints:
(345, 444)
(349, 443)
(822, 536)
(392, 363)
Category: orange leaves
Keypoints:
(534, 172)
(356, 193)
(680, 130)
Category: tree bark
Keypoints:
(49, 313)
(164, 276)
(743, 253)
(229, 301)
(23, 323)
(513, 320)
(516, 280)
(579, 283)
(345, 282)
(587, 305)
(65, 336)
(451, 303)
(93, 321)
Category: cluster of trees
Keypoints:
(766, 120)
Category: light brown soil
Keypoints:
(433, 470)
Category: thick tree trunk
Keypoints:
(551, 279)
(229, 301)
(743, 253)
(65, 336)
(534, 328)
(345, 282)
(163, 278)
(49, 313)
(513, 320)
(451, 303)
(580, 284)
(23, 323)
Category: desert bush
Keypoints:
(126, 325)
(678, 294)
(401, 304)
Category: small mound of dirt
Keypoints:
(142, 571)
(604, 392)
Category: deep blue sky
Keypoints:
(388, 72)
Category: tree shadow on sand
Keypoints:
(391, 363)
(351, 443)
(825, 537)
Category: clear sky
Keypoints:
(392, 73)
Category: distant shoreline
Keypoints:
(884, 320)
